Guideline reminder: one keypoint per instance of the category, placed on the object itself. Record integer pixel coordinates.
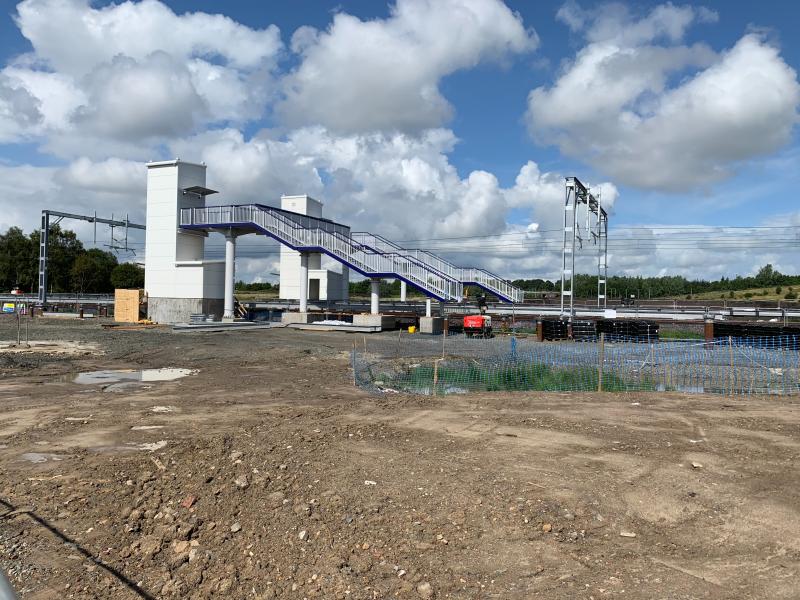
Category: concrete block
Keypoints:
(433, 325)
(178, 310)
(382, 321)
(297, 317)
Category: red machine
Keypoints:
(478, 326)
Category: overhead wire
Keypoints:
(622, 240)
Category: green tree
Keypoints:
(18, 261)
(91, 271)
(766, 275)
(128, 276)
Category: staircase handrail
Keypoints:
(300, 230)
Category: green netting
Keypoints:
(455, 364)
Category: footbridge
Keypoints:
(370, 255)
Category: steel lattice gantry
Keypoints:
(593, 230)
(44, 239)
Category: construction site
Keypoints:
(177, 442)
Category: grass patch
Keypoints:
(679, 334)
(511, 377)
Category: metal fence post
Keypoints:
(355, 381)
(730, 359)
(600, 360)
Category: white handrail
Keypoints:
(308, 232)
(465, 275)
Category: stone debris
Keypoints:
(425, 590)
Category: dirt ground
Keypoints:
(266, 474)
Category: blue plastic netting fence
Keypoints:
(456, 364)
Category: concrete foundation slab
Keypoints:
(432, 325)
(224, 326)
(382, 321)
(324, 327)
(179, 310)
(301, 317)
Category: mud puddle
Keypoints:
(112, 376)
(39, 457)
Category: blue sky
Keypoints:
(659, 154)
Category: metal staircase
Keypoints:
(311, 234)
(369, 254)
(490, 282)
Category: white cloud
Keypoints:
(73, 38)
(106, 79)
(255, 170)
(371, 180)
(111, 187)
(384, 74)
(22, 189)
(616, 106)
(132, 100)
(19, 110)
(615, 23)
(112, 176)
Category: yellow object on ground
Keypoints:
(412, 329)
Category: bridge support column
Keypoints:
(345, 283)
(375, 297)
(304, 282)
(402, 291)
(430, 324)
(230, 275)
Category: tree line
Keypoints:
(666, 286)
(71, 267)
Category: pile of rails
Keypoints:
(760, 335)
(628, 330)
(613, 329)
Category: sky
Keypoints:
(444, 124)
